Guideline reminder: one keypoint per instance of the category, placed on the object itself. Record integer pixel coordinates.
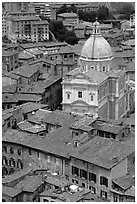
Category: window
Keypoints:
(103, 194)
(66, 163)
(41, 134)
(93, 189)
(19, 151)
(45, 156)
(65, 56)
(75, 144)
(91, 97)
(115, 198)
(29, 152)
(25, 116)
(113, 136)
(83, 185)
(4, 161)
(12, 162)
(68, 95)
(103, 181)
(75, 171)
(75, 181)
(83, 174)
(92, 177)
(76, 133)
(4, 149)
(11, 150)
(8, 124)
(79, 94)
(121, 85)
(47, 99)
(48, 158)
(57, 161)
(37, 154)
(19, 164)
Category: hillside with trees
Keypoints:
(61, 33)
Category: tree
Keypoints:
(63, 9)
(103, 13)
(72, 8)
(61, 33)
(71, 38)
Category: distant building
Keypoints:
(4, 22)
(132, 20)
(27, 27)
(10, 60)
(68, 18)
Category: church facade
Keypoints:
(95, 88)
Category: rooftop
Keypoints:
(30, 183)
(57, 181)
(9, 53)
(130, 42)
(10, 178)
(103, 152)
(24, 55)
(68, 15)
(26, 71)
(26, 18)
(43, 44)
(56, 142)
(125, 182)
(110, 128)
(84, 121)
(42, 22)
(12, 192)
(29, 127)
(31, 106)
(9, 88)
(7, 81)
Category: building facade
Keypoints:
(27, 27)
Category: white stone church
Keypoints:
(95, 87)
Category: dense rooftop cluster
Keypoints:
(68, 111)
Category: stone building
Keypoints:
(96, 88)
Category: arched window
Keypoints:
(19, 151)
(4, 171)
(11, 171)
(4, 161)
(12, 162)
(11, 150)
(14, 124)
(44, 65)
(19, 164)
(4, 149)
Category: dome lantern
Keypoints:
(96, 27)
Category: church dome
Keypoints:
(96, 47)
